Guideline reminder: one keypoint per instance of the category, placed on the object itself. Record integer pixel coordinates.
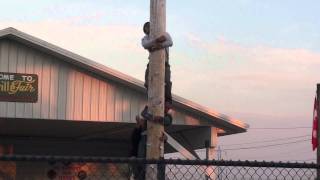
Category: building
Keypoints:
(55, 102)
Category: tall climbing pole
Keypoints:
(155, 146)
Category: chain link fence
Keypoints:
(94, 168)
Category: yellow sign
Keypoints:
(17, 87)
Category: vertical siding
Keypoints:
(142, 101)
(11, 107)
(134, 106)
(138, 102)
(126, 108)
(45, 90)
(111, 102)
(65, 92)
(62, 100)
(86, 97)
(54, 87)
(71, 79)
(4, 64)
(28, 107)
(78, 96)
(94, 114)
(21, 68)
(118, 104)
(102, 101)
(38, 70)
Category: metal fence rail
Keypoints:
(71, 168)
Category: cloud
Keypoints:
(269, 63)
(70, 34)
(112, 45)
(260, 79)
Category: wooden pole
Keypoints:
(318, 134)
(156, 80)
(155, 146)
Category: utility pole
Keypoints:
(156, 81)
(155, 146)
(318, 134)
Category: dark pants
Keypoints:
(139, 170)
(167, 79)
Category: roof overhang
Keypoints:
(24, 131)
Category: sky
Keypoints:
(253, 60)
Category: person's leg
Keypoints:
(161, 168)
(168, 84)
(141, 154)
(168, 95)
(146, 77)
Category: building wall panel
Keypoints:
(87, 81)
(67, 92)
(126, 102)
(45, 87)
(62, 99)
(110, 102)
(13, 57)
(118, 104)
(102, 100)
(28, 107)
(21, 67)
(78, 96)
(38, 70)
(94, 104)
(134, 106)
(54, 87)
(70, 104)
(4, 60)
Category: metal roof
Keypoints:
(227, 124)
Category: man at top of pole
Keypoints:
(162, 42)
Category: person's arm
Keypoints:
(168, 41)
(147, 43)
(161, 42)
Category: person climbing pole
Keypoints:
(162, 42)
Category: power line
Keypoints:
(289, 153)
(280, 128)
(270, 140)
(305, 160)
(265, 146)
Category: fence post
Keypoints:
(318, 134)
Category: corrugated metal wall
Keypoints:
(68, 93)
